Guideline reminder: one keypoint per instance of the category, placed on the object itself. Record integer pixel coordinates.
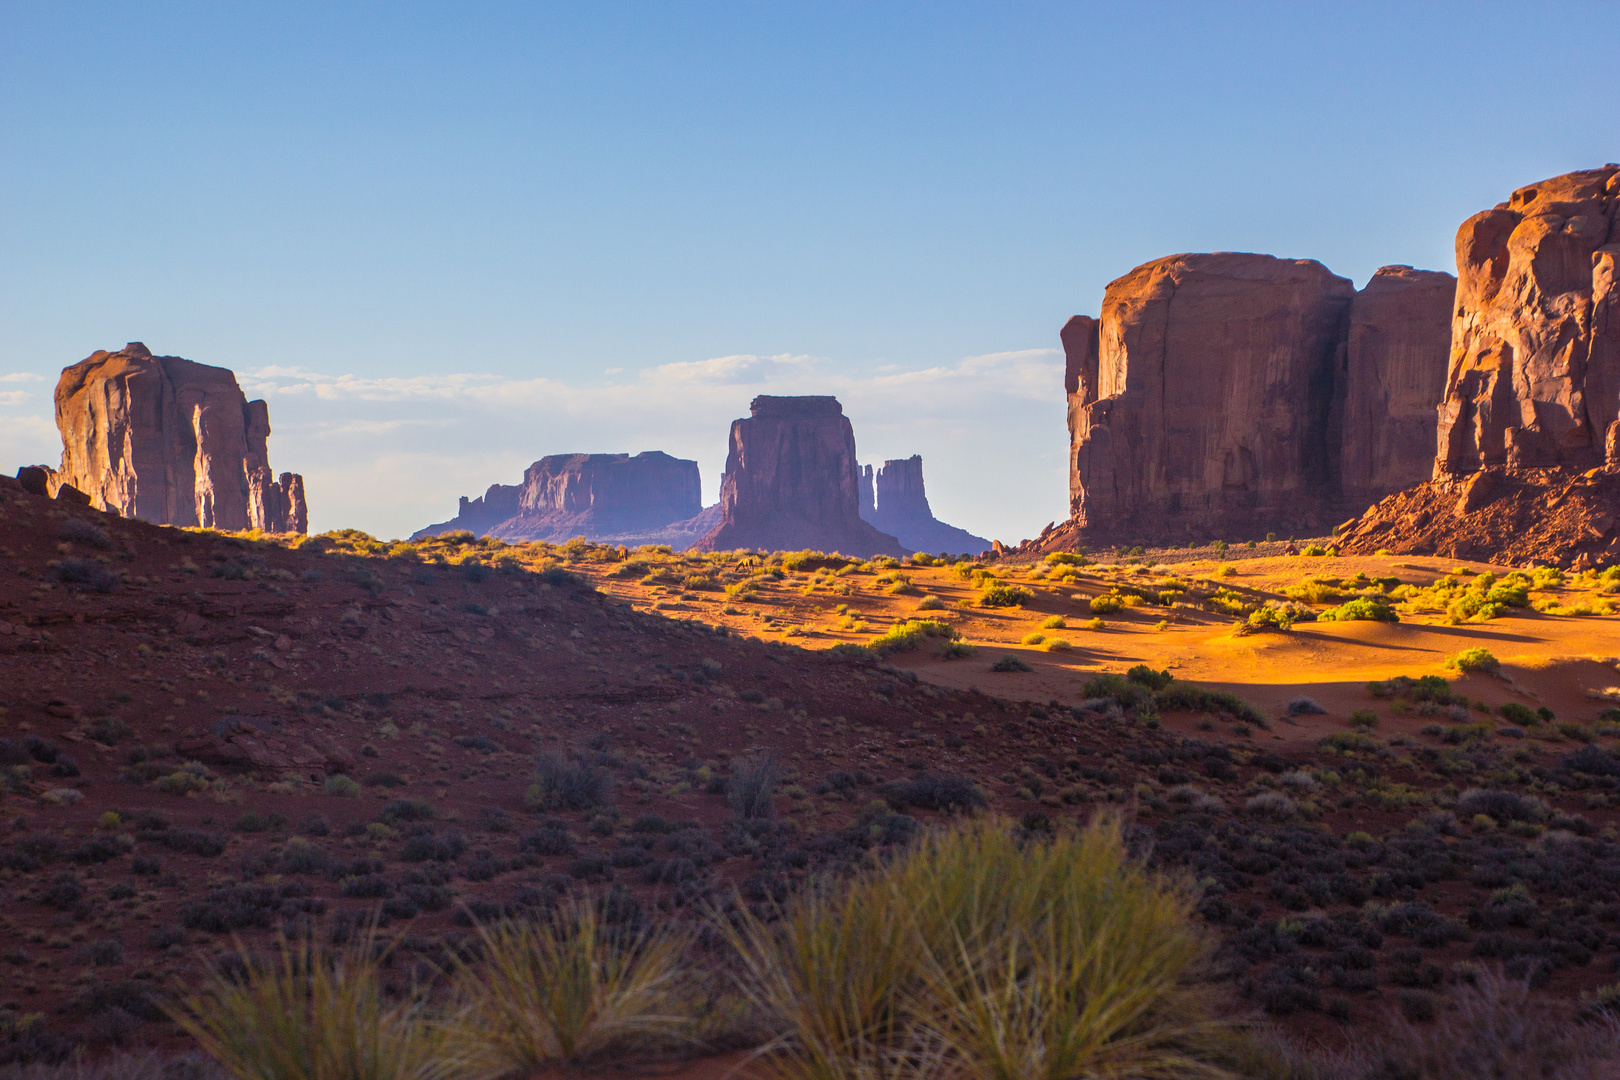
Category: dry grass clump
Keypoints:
(307, 1014)
(984, 952)
(565, 989)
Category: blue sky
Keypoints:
(445, 240)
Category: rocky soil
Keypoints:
(212, 737)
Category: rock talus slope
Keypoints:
(895, 501)
(172, 442)
(1527, 464)
(792, 482)
(598, 496)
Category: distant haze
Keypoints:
(445, 241)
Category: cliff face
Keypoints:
(1527, 463)
(1535, 348)
(1210, 406)
(792, 482)
(1233, 394)
(598, 496)
(172, 442)
(893, 500)
(1393, 377)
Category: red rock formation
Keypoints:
(1535, 353)
(1202, 399)
(1528, 439)
(598, 496)
(792, 483)
(899, 507)
(172, 442)
(1393, 376)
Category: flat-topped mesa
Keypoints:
(792, 483)
(1393, 376)
(597, 496)
(1231, 395)
(1205, 397)
(894, 501)
(1534, 380)
(172, 442)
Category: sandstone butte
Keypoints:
(1232, 395)
(1528, 444)
(792, 483)
(650, 497)
(168, 441)
(894, 500)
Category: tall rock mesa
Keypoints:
(1535, 346)
(1234, 394)
(894, 500)
(1392, 379)
(1202, 399)
(597, 496)
(1527, 463)
(792, 482)
(172, 442)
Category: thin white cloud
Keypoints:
(22, 376)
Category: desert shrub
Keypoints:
(1271, 804)
(910, 635)
(1475, 660)
(1009, 663)
(1361, 609)
(1593, 761)
(89, 573)
(185, 841)
(1001, 595)
(83, 531)
(1348, 742)
(425, 846)
(396, 811)
(984, 951)
(308, 1014)
(1054, 622)
(1363, 719)
(930, 603)
(753, 783)
(341, 786)
(1032, 639)
(1501, 805)
(1180, 697)
(1304, 706)
(560, 784)
(1429, 688)
(1143, 675)
(1492, 1027)
(108, 729)
(935, 791)
(552, 839)
(1106, 605)
(554, 992)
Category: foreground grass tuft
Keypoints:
(984, 952)
(307, 1014)
(565, 989)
